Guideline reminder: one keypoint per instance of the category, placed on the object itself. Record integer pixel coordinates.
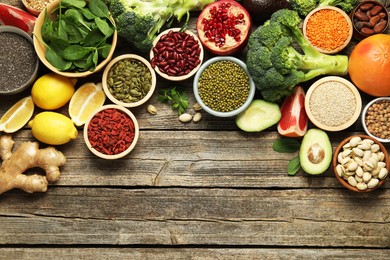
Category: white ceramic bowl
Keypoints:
(251, 87)
(34, 74)
(106, 86)
(364, 119)
(176, 60)
(115, 155)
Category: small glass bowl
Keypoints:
(364, 113)
(15, 30)
(347, 19)
(339, 149)
(117, 155)
(40, 48)
(106, 86)
(317, 117)
(176, 56)
(251, 86)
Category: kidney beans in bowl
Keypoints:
(176, 55)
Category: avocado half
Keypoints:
(315, 153)
(261, 10)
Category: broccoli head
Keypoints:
(346, 5)
(303, 7)
(279, 57)
(138, 21)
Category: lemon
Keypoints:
(52, 91)
(17, 116)
(53, 128)
(85, 101)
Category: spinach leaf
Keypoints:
(104, 27)
(94, 38)
(293, 166)
(75, 52)
(73, 3)
(73, 16)
(56, 60)
(104, 50)
(74, 34)
(286, 145)
(95, 58)
(88, 14)
(98, 8)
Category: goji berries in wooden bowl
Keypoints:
(369, 18)
(176, 55)
(129, 80)
(111, 132)
(328, 29)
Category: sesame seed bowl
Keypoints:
(328, 29)
(376, 119)
(333, 103)
(223, 86)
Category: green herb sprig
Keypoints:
(287, 145)
(178, 100)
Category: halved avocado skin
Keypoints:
(317, 138)
(261, 10)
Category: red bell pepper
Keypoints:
(13, 16)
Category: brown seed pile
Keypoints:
(378, 119)
(38, 5)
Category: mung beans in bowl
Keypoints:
(376, 119)
(176, 55)
(361, 163)
(333, 103)
(129, 80)
(223, 86)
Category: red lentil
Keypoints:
(111, 131)
(327, 29)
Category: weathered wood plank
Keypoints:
(192, 253)
(323, 218)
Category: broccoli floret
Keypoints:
(138, 21)
(303, 7)
(346, 5)
(279, 57)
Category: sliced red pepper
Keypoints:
(13, 16)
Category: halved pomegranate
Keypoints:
(223, 27)
(294, 120)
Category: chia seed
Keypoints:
(18, 61)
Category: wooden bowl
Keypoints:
(32, 10)
(326, 115)
(347, 19)
(382, 140)
(40, 47)
(115, 155)
(340, 149)
(106, 86)
(175, 60)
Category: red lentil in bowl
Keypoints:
(111, 132)
(376, 119)
(333, 103)
(328, 29)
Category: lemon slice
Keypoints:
(17, 116)
(86, 99)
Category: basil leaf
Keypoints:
(293, 166)
(98, 8)
(104, 27)
(73, 3)
(56, 60)
(286, 145)
(75, 52)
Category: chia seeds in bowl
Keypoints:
(19, 62)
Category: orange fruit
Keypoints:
(86, 99)
(17, 116)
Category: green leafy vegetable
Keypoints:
(293, 166)
(178, 100)
(286, 145)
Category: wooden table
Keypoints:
(191, 191)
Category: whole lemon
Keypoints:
(52, 91)
(53, 128)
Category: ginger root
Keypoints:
(27, 156)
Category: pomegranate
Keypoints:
(294, 119)
(223, 27)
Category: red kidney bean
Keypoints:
(370, 18)
(176, 53)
